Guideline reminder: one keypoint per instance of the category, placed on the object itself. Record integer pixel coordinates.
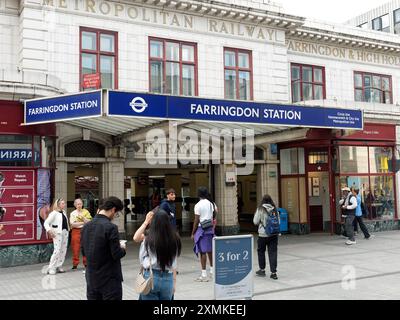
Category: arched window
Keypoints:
(87, 149)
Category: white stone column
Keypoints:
(267, 177)
(60, 180)
(34, 23)
(267, 182)
(226, 200)
(113, 184)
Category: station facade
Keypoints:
(231, 51)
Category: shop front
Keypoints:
(314, 171)
(27, 166)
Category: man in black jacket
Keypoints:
(101, 246)
(168, 205)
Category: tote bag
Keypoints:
(142, 285)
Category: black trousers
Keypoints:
(355, 225)
(349, 227)
(112, 290)
(363, 227)
(272, 244)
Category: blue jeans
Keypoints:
(163, 286)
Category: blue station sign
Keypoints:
(141, 105)
(197, 109)
(144, 105)
(65, 107)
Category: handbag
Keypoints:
(206, 224)
(143, 285)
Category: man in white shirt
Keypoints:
(203, 231)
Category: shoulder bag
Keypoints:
(206, 224)
(143, 285)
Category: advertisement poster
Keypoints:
(233, 267)
(43, 202)
(17, 206)
(13, 196)
(10, 178)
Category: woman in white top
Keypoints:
(57, 228)
(160, 248)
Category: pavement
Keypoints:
(310, 267)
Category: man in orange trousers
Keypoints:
(78, 218)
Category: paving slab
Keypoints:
(310, 267)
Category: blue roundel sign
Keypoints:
(233, 266)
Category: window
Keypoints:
(16, 151)
(238, 74)
(292, 161)
(380, 160)
(89, 149)
(371, 170)
(376, 193)
(381, 23)
(360, 182)
(173, 67)
(318, 157)
(353, 159)
(308, 82)
(99, 56)
(396, 15)
(370, 87)
(380, 200)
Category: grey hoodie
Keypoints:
(260, 216)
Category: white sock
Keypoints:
(204, 273)
(211, 270)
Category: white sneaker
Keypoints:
(51, 271)
(370, 237)
(349, 242)
(201, 279)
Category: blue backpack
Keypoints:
(271, 225)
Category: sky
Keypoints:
(337, 11)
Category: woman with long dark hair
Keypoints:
(203, 232)
(160, 250)
(266, 207)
